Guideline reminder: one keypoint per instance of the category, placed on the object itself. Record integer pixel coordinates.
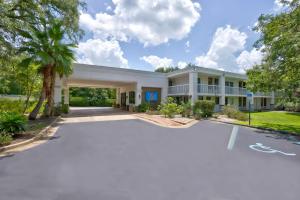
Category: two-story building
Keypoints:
(192, 83)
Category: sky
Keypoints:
(147, 34)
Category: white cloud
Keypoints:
(101, 52)
(187, 46)
(108, 8)
(278, 5)
(226, 43)
(248, 59)
(181, 64)
(157, 62)
(151, 22)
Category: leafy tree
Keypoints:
(44, 31)
(47, 50)
(280, 42)
(166, 69)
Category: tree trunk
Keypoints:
(50, 98)
(35, 111)
(44, 93)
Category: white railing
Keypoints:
(179, 89)
(235, 90)
(208, 89)
(262, 94)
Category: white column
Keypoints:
(222, 90)
(193, 86)
(57, 91)
(66, 95)
(164, 91)
(138, 94)
(118, 96)
(272, 102)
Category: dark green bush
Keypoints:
(90, 101)
(5, 139)
(11, 122)
(65, 108)
(206, 107)
(233, 113)
(143, 107)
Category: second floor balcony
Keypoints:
(213, 90)
(235, 91)
(208, 89)
(179, 89)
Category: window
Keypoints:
(199, 81)
(263, 102)
(217, 100)
(229, 83)
(226, 100)
(242, 101)
(208, 98)
(216, 81)
(210, 81)
(200, 97)
(170, 83)
(131, 97)
(242, 84)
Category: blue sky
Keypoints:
(148, 34)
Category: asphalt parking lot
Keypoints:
(135, 160)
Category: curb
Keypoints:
(259, 128)
(181, 125)
(26, 142)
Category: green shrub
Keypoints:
(233, 113)
(143, 107)
(90, 101)
(169, 108)
(186, 109)
(9, 105)
(198, 114)
(65, 108)
(11, 122)
(206, 107)
(292, 107)
(78, 101)
(5, 139)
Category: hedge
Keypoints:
(85, 101)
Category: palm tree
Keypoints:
(46, 48)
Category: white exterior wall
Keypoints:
(126, 80)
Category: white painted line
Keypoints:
(232, 137)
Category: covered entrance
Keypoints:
(132, 87)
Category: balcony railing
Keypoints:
(213, 90)
(262, 94)
(235, 91)
(208, 89)
(179, 89)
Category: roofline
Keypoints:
(169, 74)
(120, 69)
(198, 68)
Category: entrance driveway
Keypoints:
(135, 160)
(94, 111)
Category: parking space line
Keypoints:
(233, 136)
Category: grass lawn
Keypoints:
(277, 120)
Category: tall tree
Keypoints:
(280, 42)
(47, 50)
(25, 27)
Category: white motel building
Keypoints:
(192, 83)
